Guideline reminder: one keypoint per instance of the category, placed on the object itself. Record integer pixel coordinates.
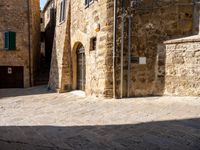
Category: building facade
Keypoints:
(19, 42)
(128, 51)
(49, 28)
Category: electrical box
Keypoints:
(134, 60)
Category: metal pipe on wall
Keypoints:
(122, 50)
(29, 40)
(114, 48)
(129, 55)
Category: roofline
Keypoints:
(46, 5)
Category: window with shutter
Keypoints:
(61, 6)
(62, 10)
(10, 40)
(6, 40)
(64, 5)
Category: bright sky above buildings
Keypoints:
(42, 3)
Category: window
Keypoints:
(62, 10)
(88, 2)
(10, 40)
(93, 43)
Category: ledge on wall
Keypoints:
(194, 38)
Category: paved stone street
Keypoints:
(35, 119)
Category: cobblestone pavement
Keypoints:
(34, 119)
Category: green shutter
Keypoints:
(6, 40)
(12, 40)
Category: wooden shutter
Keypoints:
(61, 9)
(86, 2)
(64, 7)
(12, 40)
(6, 40)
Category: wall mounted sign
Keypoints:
(9, 70)
(138, 60)
(143, 60)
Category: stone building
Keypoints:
(19, 42)
(141, 48)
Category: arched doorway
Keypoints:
(81, 68)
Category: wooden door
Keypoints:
(81, 69)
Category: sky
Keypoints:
(42, 3)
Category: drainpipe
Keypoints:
(129, 54)
(122, 51)
(114, 48)
(29, 44)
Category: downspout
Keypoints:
(129, 55)
(114, 48)
(122, 52)
(29, 44)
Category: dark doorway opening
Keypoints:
(11, 77)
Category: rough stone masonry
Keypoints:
(152, 23)
(23, 18)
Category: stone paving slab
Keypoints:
(37, 119)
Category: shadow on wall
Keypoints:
(179, 135)
(54, 69)
(49, 36)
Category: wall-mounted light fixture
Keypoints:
(96, 27)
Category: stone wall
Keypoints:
(61, 51)
(183, 66)
(99, 61)
(14, 17)
(78, 28)
(153, 22)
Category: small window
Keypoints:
(93, 43)
(88, 3)
(10, 40)
(62, 10)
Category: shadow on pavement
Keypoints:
(176, 135)
(5, 93)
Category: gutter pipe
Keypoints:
(114, 48)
